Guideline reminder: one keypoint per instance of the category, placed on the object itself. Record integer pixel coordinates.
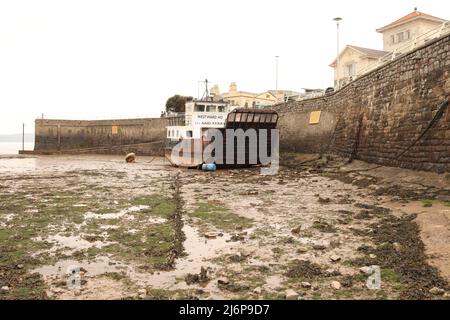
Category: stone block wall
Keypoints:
(380, 114)
(144, 136)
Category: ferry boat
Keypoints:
(191, 129)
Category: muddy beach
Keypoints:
(147, 230)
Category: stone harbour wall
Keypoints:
(379, 115)
(143, 136)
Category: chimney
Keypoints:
(215, 90)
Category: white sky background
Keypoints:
(116, 59)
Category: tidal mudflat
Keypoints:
(147, 230)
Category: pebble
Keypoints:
(5, 288)
(302, 250)
(257, 290)
(397, 246)
(291, 295)
(332, 272)
(372, 256)
(366, 270)
(319, 247)
(211, 235)
(57, 290)
(142, 292)
(335, 258)
(306, 285)
(20, 266)
(437, 291)
(335, 285)
(180, 277)
(296, 230)
(223, 280)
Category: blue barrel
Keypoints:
(209, 167)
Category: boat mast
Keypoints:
(206, 93)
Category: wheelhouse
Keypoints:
(252, 118)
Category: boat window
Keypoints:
(238, 117)
(257, 117)
(221, 108)
(262, 118)
(244, 117)
(199, 108)
(189, 134)
(274, 118)
(210, 108)
(250, 117)
(178, 133)
(231, 117)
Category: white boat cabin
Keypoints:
(199, 116)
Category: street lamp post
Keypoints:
(23, 136)
(337, 19)
(276, 75)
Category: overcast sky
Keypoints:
(115, 59)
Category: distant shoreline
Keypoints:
(13, 147)
(29, 137)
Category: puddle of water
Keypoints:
(117, 215)
(199, 250)
(97, 267)
(73, 243)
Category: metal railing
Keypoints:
(409, 46)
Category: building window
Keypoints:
(393, 39)
(407, 35)
(350, 70)
(400, 37)
(221, 108)
(189, 134)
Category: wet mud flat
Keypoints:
(147, 230)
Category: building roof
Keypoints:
(284, 92)
(409, 17)
(371, 53)
(238, 93)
